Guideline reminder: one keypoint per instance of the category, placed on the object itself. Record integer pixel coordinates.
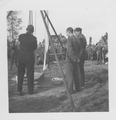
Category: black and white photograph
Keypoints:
(57, 60)
(60, 72)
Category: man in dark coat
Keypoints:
(78, 34)
(26, 58)
(72, 62)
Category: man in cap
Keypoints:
(28, 43)
(72, 62)
(82, 56)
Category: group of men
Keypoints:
(76, 47)
(75, 58)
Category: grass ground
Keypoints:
(53, 98)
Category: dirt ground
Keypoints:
(53, 98)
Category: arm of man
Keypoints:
(83, 45)
(34, 45)
(85, 42)
(83, 39)
(19, 38)
(18, 41)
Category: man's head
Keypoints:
(30, 28)
(69, 31)
(77, 31)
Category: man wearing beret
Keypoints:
(78, 34)
(28, 43)
(72, 62)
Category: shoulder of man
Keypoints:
(34, 37)
(73, 38)
(82, 36)
(21, 35)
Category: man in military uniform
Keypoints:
(26, 58)
(82, 57)
(72, 62)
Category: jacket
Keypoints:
(28, 43)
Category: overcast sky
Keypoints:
(93, 21)
(93, 16)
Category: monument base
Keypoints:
(39, 77)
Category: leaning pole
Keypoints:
(64, 80)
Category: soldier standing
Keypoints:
(78, 33)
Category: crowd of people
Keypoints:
(99, 51)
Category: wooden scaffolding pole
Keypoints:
(53, 29)
(64, 81)
(31, 17)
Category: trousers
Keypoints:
(30, 76)
(81, 65)
(73, 75)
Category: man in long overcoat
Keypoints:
(26, 58)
